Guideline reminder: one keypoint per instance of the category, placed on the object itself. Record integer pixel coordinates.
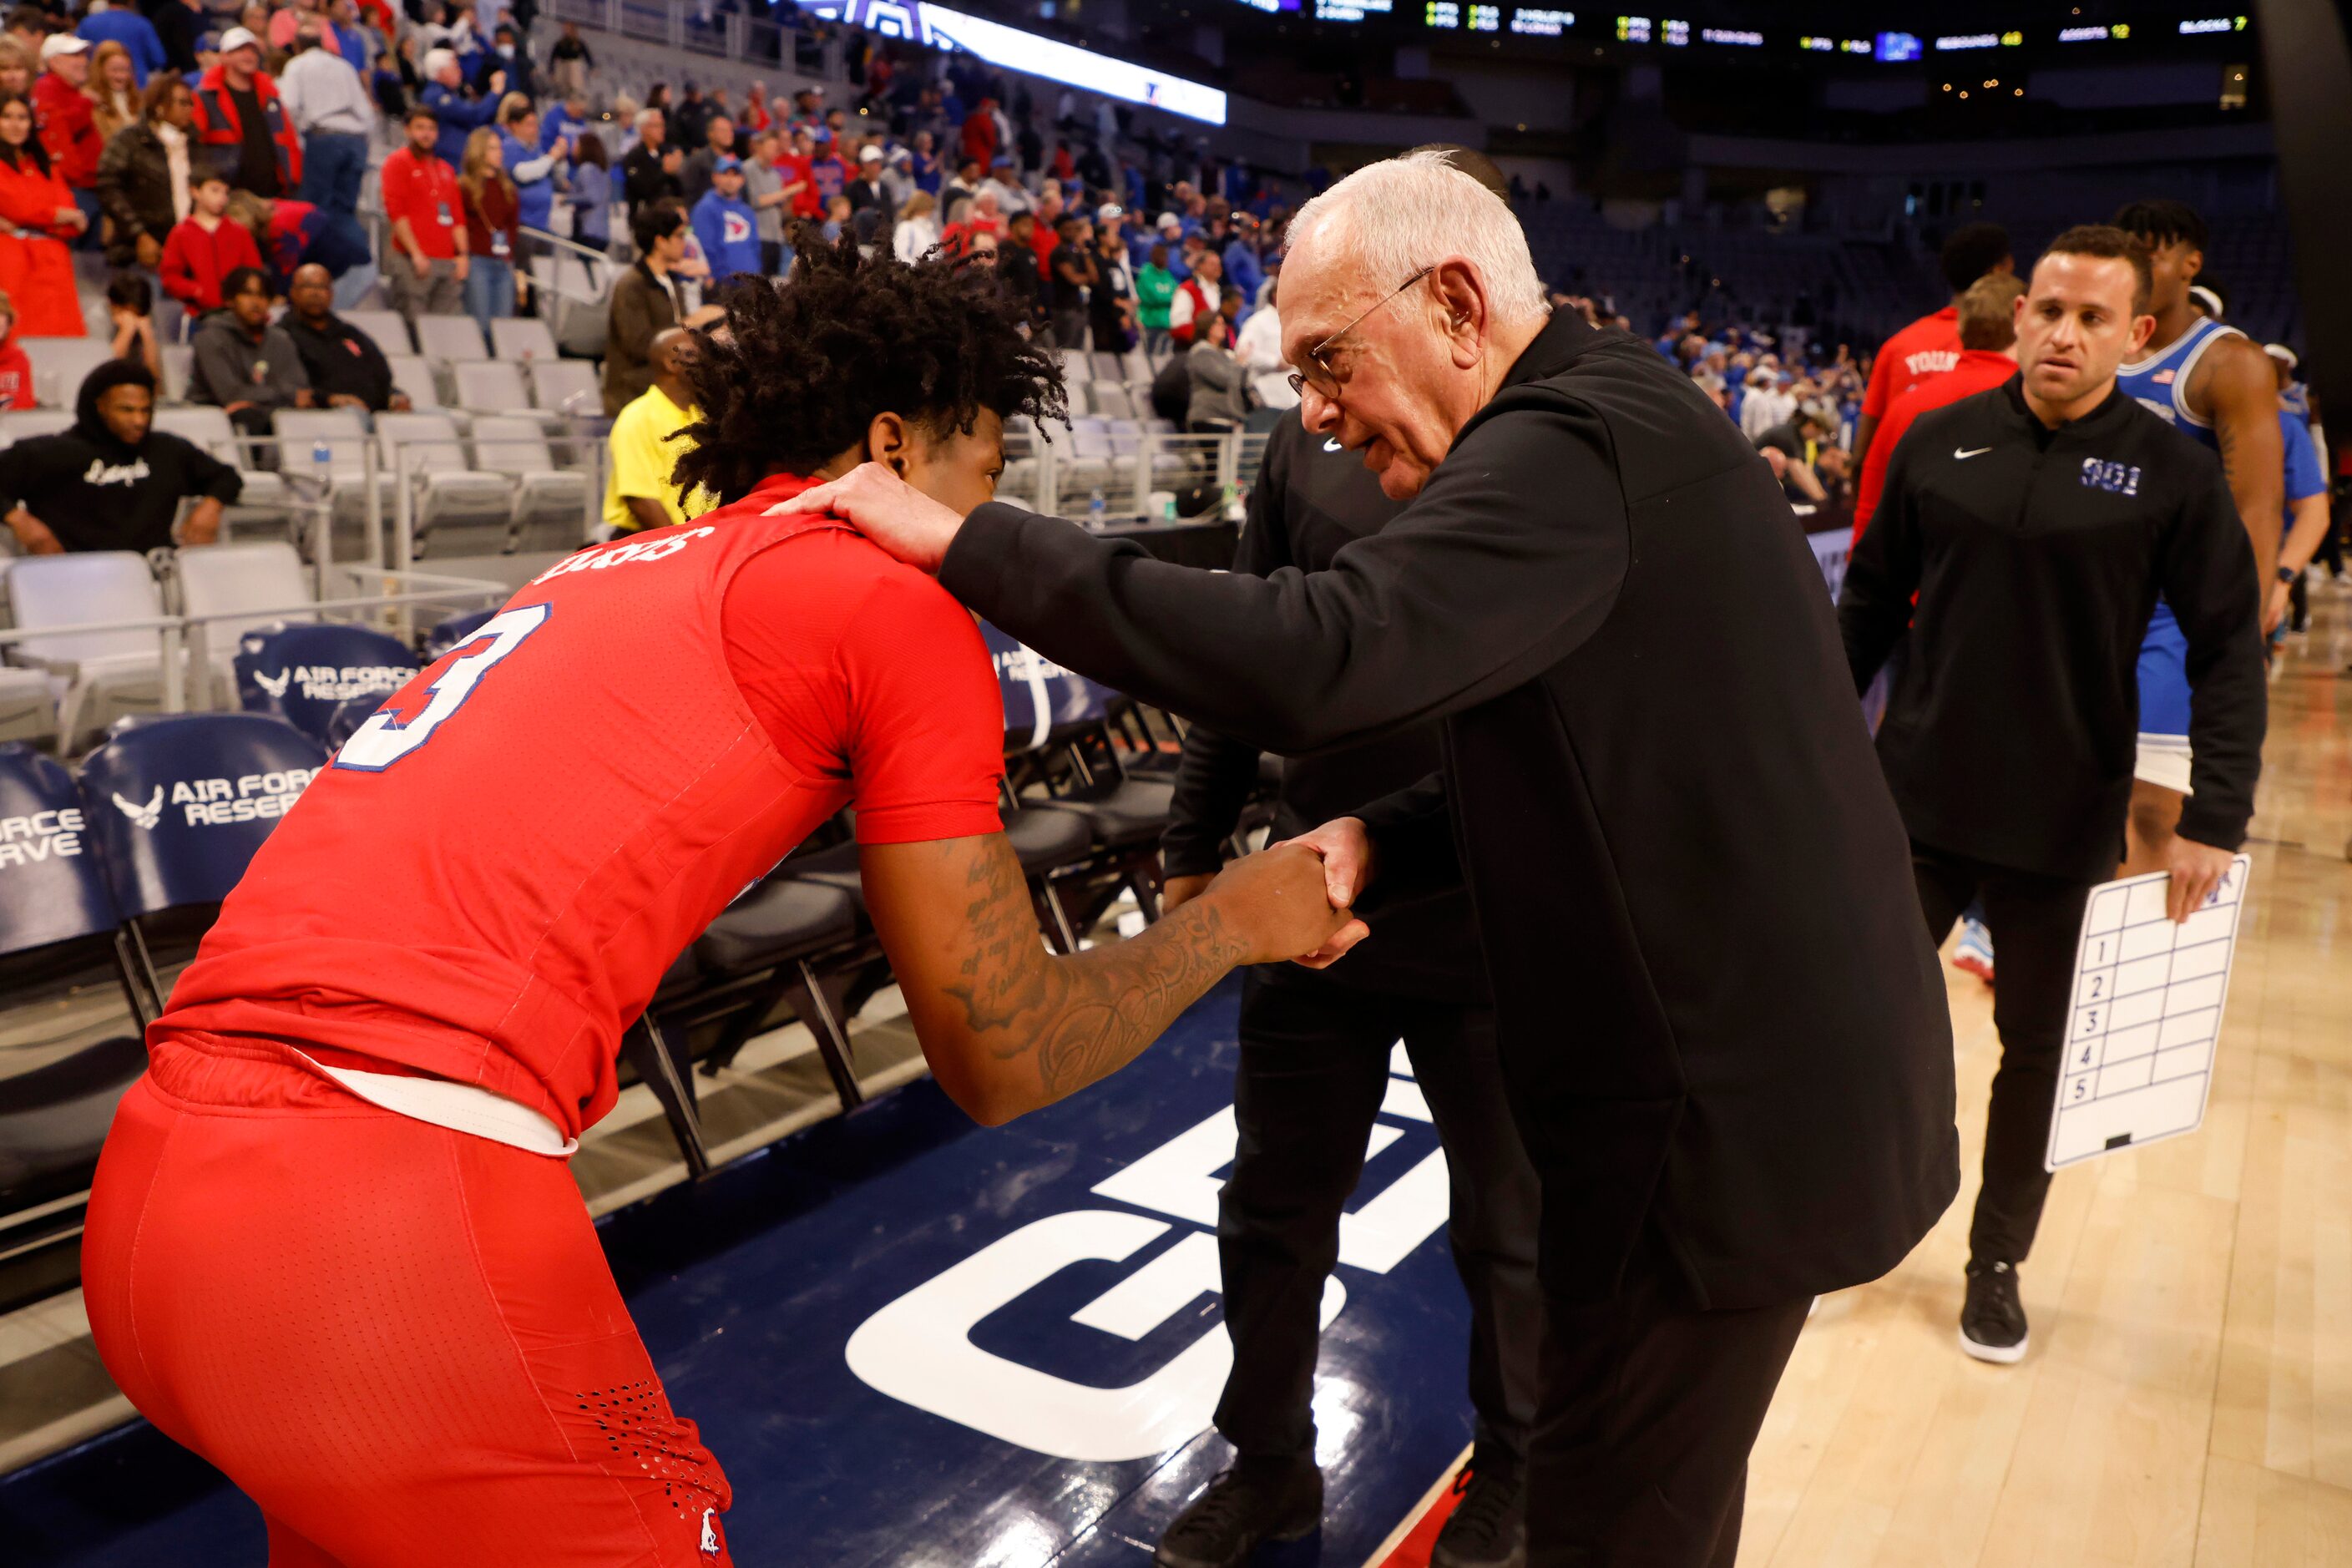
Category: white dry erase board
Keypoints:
(2145, 1016)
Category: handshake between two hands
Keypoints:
(1293, 900)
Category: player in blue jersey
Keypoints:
(2210, 382)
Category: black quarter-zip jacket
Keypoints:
(2037, 555)
(1718, 1014)
(1311, 499)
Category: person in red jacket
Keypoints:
(16, 364)
(205, 247)
(1988, 322)
(69, 132)
(980, 134)
(38, 218)
(237, 90)
(1930, 345)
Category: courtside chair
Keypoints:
(567, 386)
(453, 340)
(453, 631)
(522, 339)
(166, 811)
(310, 675)
(413, 374)
(550, 501)
(459, 509)
(59, 928)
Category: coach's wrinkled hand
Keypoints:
(887, 509)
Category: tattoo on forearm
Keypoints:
(1083, 1017)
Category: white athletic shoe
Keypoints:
(1974, 950)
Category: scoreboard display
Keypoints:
(1895, 44)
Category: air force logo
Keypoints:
(275, 686)
(143, 816)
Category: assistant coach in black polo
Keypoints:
(1722, 1025)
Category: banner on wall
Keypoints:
(939, 27)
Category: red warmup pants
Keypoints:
(402, 1341)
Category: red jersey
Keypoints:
(488, 883)
(1978, 370)
(1929, 346)
(424, 192)
(15, 376)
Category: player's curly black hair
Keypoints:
(799, 370)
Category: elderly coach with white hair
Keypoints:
(1724, 1031)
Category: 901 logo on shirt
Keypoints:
(2116, 479)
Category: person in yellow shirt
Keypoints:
(639, 494)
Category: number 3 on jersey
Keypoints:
(383, 739)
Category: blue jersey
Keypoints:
(2160, 381)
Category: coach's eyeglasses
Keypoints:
(1320, 374)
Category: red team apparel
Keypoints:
(424, 192)
(1929, 346)
(400, 1339)
(1978, 370)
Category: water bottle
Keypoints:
(1097, 510)
(322, 466)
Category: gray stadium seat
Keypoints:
(517, 447)
(18, 423)
(265, 493)
(388, 327)
(453, 340)
(299, 429)
(494, 386)
(456, 506)
(521, 338)
(257, 584)
(60, 366)
(95, 677)
(1074, 368)
(567, 386)
(179, 363)
(413, 374)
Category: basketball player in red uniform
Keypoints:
(333, 1247)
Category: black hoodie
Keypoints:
(97, 492)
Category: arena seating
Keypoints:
(307, 674)
(94, 677)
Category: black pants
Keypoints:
(2036, 924)
(1650, 1407)
(1313, 1070)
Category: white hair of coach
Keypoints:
(1401, 215)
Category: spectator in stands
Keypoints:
(1197, 298)
(591, 195)
(513, 62)
(345, 367)
(1219, 398)
(649, 173)
(694, 174)
(333, 112)
(565, 120)
(123, 27)
(828, 175)
(638, 493)
(143, 176)
(689, 122)
(836, 218)
(645, 301)
(424, 203)
(917, 232)
(531, 166)
(770, 191)
(459, 112)
(17, 389)
(1799, 440)
(570, 61)
(291, 233)
(1072, 275)
(1244, 268)
(1259, 347)
(131, 312)
(177, 24)
(245, 365)
(1016, 271)
(867, 192)
(206, 246)
(1155, 293)
(38, 217)
(114, 92)
(724, 223)
(493, 232)
(962, 188)
(1110, 306)
(241, 125)
(67, 122)
(981, 134)
(1763, 403)
(112, 481)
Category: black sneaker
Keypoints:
(1488, 1527)
(1252, 1502)
(1992, 1319)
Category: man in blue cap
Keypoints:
(725, 223)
